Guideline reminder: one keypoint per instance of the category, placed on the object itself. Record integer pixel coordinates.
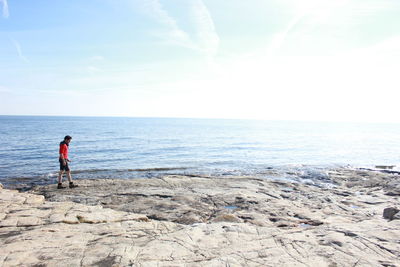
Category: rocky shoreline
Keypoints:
(205, 221)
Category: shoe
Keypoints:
(60, 186)
(72, 185)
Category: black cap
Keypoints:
(67, 137)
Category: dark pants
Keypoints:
(63, 165)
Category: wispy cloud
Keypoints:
(208, 37)
(93, 63)
(4, 89)
(205, 39)
(174, 33)
(93, 69)
(63, 92)
(19, 51)
(96, 58)
(6, 14)
(319, 12)
(281, 36)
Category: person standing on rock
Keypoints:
(63, 159)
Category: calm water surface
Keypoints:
(150, 147)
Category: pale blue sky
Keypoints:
(270, 59)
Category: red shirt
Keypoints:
(64, 150)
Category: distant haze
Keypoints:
(261, 59)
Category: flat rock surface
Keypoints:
(204, 221)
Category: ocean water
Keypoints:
(109, 147)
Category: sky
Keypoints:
(326, 60)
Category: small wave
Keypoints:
(50, 175)
(19, 179)
(160, 169)
(90, 171)
(17, 149)
(156, 169)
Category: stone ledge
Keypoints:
(191, 221)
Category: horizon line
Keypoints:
(202, 118)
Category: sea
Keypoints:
(129, 148)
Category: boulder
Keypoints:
(389, 213)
